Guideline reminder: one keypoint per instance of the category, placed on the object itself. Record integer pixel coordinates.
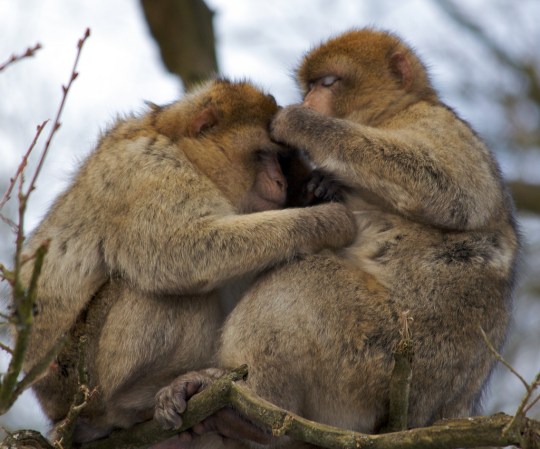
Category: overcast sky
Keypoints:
(262, 40)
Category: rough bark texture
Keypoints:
(184, 32)
(496, 430)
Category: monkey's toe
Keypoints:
(171, 402)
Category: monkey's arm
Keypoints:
(201, 254)
(429, 166)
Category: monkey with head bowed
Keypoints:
(436, 238)
(171, 207)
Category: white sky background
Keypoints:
(262, 40)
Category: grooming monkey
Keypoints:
(147, 234)
(437, 238)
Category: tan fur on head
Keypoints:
(234, 104)
(365, 59)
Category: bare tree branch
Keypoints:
(446, 434)
(56, 123)
(24, 295)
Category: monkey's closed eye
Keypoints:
(329, 80)
(324, 81)
(263, 154)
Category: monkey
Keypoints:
(437, 240)
(170, 207)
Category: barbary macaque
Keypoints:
(436, 239)
(171, 207)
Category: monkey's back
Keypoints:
(329, 324)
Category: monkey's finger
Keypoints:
(170, 403)
(315, 180)
(322, 191)
(168, 418)
(335, 193)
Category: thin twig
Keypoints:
(6, 348)
(56, 124)
(30, 51)
(501, 359)
(523, 407)
(531, 404)
(22, 165)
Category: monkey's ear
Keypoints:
(401, 67)
(203, 121)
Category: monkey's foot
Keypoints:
(171, 401)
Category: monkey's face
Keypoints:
(320, 96)
(251, 176)
(226, 136)
(361, 72)
(334, 89)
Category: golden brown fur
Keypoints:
(147, 234)
(436, 238)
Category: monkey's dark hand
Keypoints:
(322, 187)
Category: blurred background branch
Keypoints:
(184, 31)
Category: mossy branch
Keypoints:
(447, 434)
